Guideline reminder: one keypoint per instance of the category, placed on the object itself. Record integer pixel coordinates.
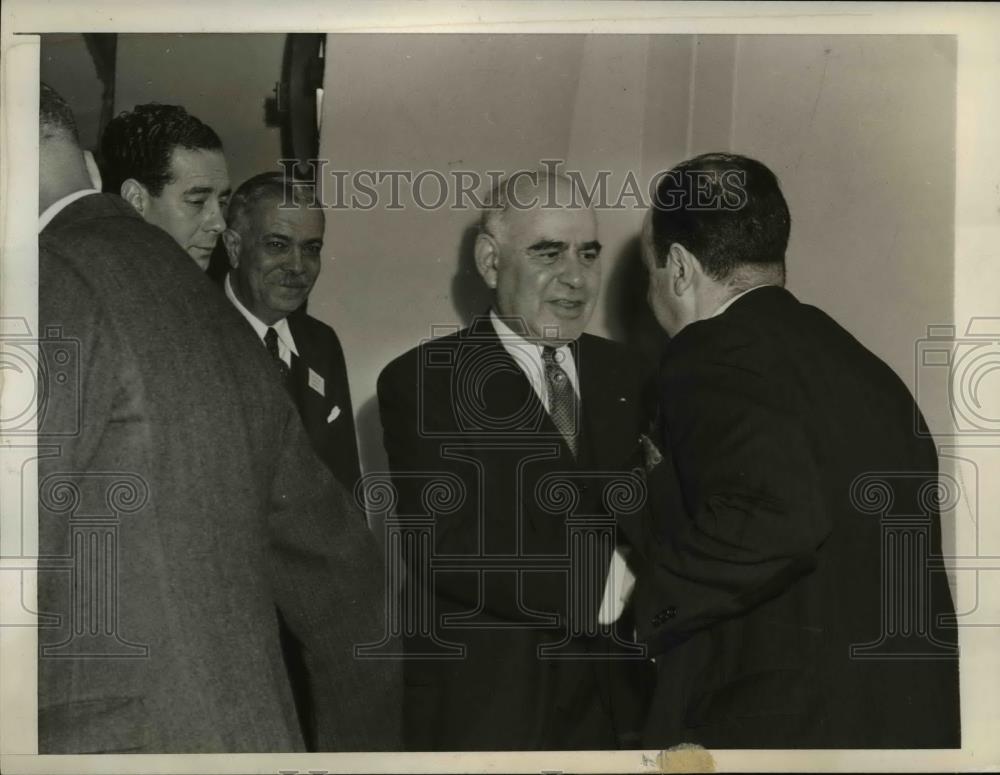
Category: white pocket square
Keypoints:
(334, 414)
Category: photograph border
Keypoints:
(976, 284)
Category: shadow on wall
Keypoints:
(629, 318)
(469, 294)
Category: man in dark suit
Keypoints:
(170, 167)
(180, 506)
(790, 586)
(274, 243)
(507, 435)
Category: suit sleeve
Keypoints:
(328, 578)
(750, 516)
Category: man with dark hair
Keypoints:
(177, 516)
(767, 589)
(170, 167)
(529, 423)
(274, 243)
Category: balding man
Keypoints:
(163, 478)
(274, 243)
(512, 413)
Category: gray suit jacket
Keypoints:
(180, 509)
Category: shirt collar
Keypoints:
(729, 302)
(260, 327)
(528, 356)
(59, 205)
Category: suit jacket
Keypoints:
(791, 585)
(180, 506)
(318, 385)
(458, 411)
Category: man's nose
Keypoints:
(571, 273)
(214, 220)
(294, 263)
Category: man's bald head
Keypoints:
(55, 117)
(62, 167)
(522, 192)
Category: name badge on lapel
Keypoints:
(316, 383)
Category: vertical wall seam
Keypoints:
(735, 87)
(691, 92)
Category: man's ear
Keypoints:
(133, 192)
(231, 239)
(682, 266)
(487, 253)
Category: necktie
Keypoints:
(271, 342)
(562, 398)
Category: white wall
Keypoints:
(66, 66)
(416, 102)
(860, 130)
(480, 103)
(221, 79)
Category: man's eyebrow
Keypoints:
(195, 190)
(276, 235)
(592, 245)
(548, 244)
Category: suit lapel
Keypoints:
(508, 397)
(311, 403)
(605, 409)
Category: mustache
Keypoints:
(295, 280)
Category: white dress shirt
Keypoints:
(286, 343)
(59, 205)
(528, 355)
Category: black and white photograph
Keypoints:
(523, 387)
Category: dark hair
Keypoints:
(727, 210)
(54, 114)
(138, 144)
(266, 185)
